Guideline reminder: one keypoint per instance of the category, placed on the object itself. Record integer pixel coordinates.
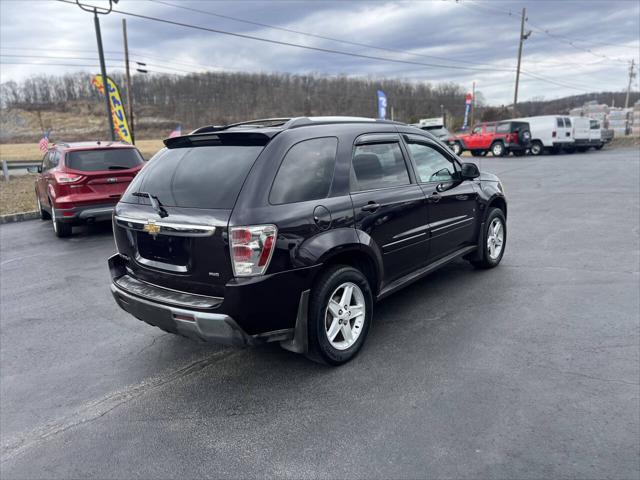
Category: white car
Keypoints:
(550, 133)
(586, 133)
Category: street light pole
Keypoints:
(103, 67)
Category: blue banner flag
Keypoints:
(382, 105)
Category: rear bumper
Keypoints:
(253, 310)
(203, 326)
(100, 212)
(516, 147)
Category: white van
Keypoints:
(596, 139)
(550, 133)
(581, 132)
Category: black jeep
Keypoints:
(290, 230)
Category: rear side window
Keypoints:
(105, 159)
(503, 128)
(560, 122)
(378, 165)
(306, 172)
(196, 177)
(567, 122)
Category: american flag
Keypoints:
(44, 141)
(176, 132)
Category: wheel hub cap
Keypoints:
(495, 238)
(344, 316)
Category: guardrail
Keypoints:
(16, 165)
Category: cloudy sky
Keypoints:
(575, 46)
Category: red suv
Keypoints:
(499, 138)
(82, 182)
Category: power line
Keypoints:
(539, 29)
(312, 35)
(297, 45)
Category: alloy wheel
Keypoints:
(344, 316)
(495, 238)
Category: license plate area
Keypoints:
(164, 251)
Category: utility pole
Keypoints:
(103, 68)
(473, 102)
(523, 37)
(632, 74)
(128, 75)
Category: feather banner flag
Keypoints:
(120, 125)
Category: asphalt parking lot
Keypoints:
(530, 370)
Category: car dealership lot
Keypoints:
(529, 370)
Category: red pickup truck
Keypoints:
(499, 138)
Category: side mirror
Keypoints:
(469, 171)
(37, 169)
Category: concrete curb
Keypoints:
(18, 217)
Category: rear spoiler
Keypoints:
(243, 139)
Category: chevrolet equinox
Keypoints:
(290, 230)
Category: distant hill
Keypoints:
(74, 109)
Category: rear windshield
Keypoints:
(106, 159)
(195, 177)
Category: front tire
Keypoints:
(457, 148)
(494, 240)
(340, 313)
(44, 215)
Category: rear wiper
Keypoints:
(155, 203)
(117, 167)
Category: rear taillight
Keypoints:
(62, 177)
(251, 249)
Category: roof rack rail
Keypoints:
(261, 122)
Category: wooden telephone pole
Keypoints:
(523, 37)
(632, 74)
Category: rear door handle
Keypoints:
(370, 207)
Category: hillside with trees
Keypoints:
(73, 108)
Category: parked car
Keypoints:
(290, 230)
(435, 126)
(499, 138)
(82, 182)
(549, 133)
(441, 133)
(586, 133)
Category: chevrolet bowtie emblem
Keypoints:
(151, 227)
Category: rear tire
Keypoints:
(494, 240)
(340, 313)
(498, 149)
(536, 148)
(61, 229)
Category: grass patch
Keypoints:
(29, 152)
(18, 194)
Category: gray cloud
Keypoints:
(470, 31)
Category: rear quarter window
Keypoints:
(306, 172)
